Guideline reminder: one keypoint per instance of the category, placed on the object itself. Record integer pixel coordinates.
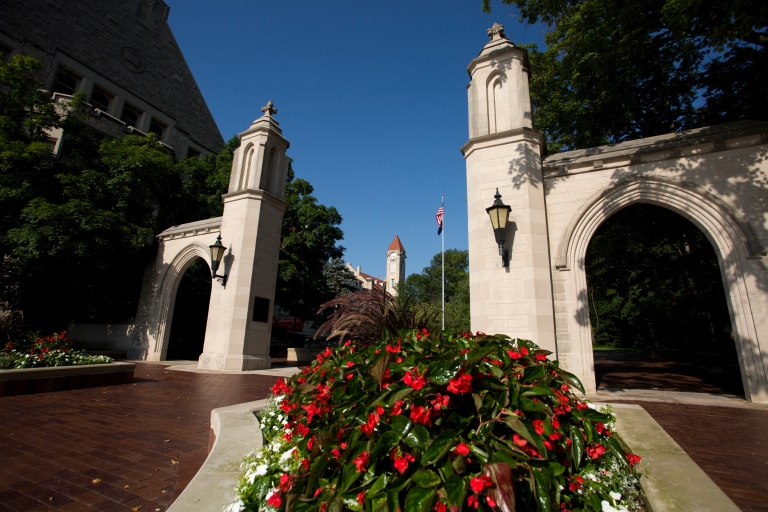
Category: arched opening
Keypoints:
(190, 313)
(657, 307)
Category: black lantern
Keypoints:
(499, 213)
(217, 253)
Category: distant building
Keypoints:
(395, 270)
(123, 56)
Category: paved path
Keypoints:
(113, 448)
(82, 448)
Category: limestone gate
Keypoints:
(715, 177)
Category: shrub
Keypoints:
(53, 350)
(419, 423)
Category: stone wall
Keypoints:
(124, 48)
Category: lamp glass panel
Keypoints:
(495, 217)
(503, 214)
(217, 252)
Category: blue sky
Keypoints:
(371, 95)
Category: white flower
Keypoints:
(285, 422)
(287, 455)
(238, 506)
(280, 417)
(275, 447)
(271, 413)
(280, 398)
(261, 470)
(616, 496)
(607, 507)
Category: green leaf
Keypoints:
(440, 372)
(571, 379)
(439, 447)
(417, 437)
(379, 485)
(316, 469)
(349, 475)
(476, 356)
(542, 489)
(556, 468)
(420, 499)
(400, 424)
(478, 400)
(519, 427)
(533, 373)
(538, 391)
(336, 505)
(393, 504)
(456, 489)
(399, 395)
(426, 478)
(577, 447)
(459, 464)
(386, 442)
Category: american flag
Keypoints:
(439, 219)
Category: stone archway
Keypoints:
(734, 244)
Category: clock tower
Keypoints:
(395, 265)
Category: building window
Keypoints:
(130, 116)
(100, 100)
(157, 128)
(65, 82)
(393, 284)
(191, 153)
(144, 9)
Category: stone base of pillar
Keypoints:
(225, 362)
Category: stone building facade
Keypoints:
(124, 57)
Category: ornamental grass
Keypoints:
(417, 422)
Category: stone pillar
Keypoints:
(504, 151)
(239, 328)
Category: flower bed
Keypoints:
(418, 423)
(54, 350)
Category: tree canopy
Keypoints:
(614, 70)
(426, 288)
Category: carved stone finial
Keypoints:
(496, 32)
(269, 110)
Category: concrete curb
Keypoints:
(672, 481)
(212, 488)
(64, 371)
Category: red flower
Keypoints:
(350, 376)
(472, 501)
(373, 420)
(519, 441)
(595, 450)
(275, 500)
(335, 453)
(420, 414)
(479, 483)
(514, 355)
(555, 423)
(311, 443)
(361, 461)
(440, 507)
(633, 459)
(350, 364)
(305, 464)
(379, 410)
(440, 401)
(413, 379)
(301, 430)
(524, 351)
(393, 350)
(281, 388)
(361, 497)
(541, 357)
(490, 501)
(461, 384)
(582, 406)
(576, 483)
(398, 408)
(538, 426)
(462, 449)
(401, 460)
(286, 482)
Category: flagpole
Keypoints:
(443, 254)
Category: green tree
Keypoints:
(339, 280)
(310, 236)
(616, 70)
(426, 288)
(654, 279)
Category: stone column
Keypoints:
(504, 151)
(239, 328)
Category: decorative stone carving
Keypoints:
(496, 32)
(269, 109)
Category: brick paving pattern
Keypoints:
(113, 448)
(78, 450)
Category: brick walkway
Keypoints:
(78, 450)
(113, 448)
